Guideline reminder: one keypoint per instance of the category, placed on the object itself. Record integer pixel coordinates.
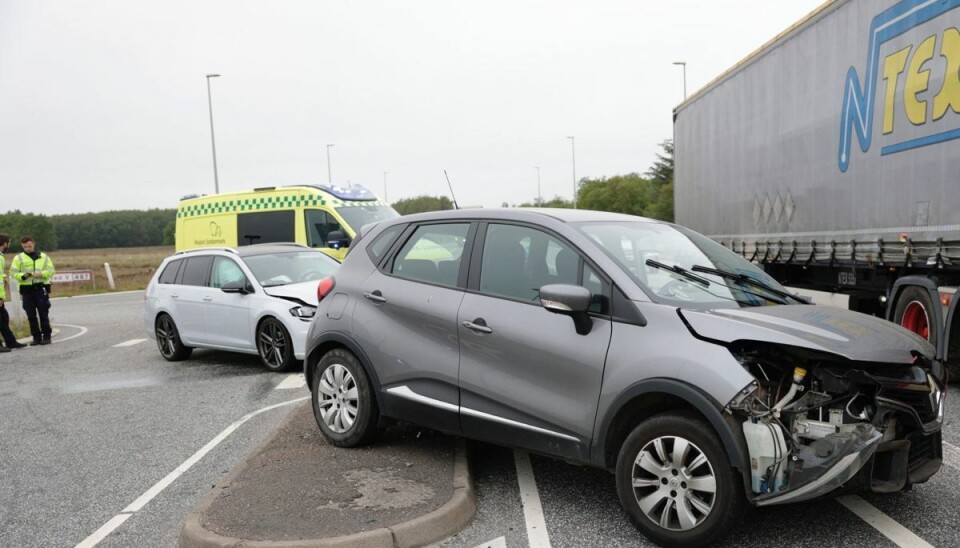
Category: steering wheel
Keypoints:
(309, 276)
(676, 289)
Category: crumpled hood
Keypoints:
(304, 291)
(846, 333)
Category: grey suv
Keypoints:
(628, 344)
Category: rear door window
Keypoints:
(196, 271)
(433, 254)
(379, 246)
(169, 274)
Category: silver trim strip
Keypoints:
(508, 422)
(407, 394)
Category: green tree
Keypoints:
(18, 224)
(556, 202)
(630, 194)
(661, 172)
(420, 204)
(170, 233)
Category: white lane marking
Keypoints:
(131, 342)
(98, 295)
(900, 535)
(951, 455)
(500, 542)
(147, 496)
(103, 531)
(83, 331)
(296, 380)
(530, 497)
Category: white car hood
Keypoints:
(304, 291)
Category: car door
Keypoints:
(527, 379)
(227, 315)
(189, 297)
(406, 322)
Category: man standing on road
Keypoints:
(33, 270)
(8, 338)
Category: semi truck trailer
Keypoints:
(831, 156)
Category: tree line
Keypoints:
(126, 228)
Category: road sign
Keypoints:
(73, 276)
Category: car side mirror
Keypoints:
(338, 239)
(569, 300)
(238, 286)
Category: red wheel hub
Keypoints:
(915, 319)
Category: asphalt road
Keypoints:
(86, 428)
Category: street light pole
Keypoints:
(573, 157)
(329, 173)
(684, 65)
(385, 187)
(213, 142)
(539, 196)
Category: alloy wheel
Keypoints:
(337, 398)
(166, 336)
(272, 343)
(674, 483)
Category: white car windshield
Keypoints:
(676, 265)
(273, 269)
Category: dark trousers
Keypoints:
(5, 332)
(36, 303)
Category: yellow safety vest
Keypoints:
(3, 278)
(23, 264)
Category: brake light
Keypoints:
(325, 287)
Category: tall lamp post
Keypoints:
(385, 187)
(329, 173)
(539, 196)
(573, 158)
(213, 142)
(684, 65)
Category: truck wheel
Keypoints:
(344, 404)
(915, 311)
(676, 484)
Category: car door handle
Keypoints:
(478, 325)
(174, 296)
(376, 297)
(208, 298)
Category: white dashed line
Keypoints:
(495, 543)
(131, 342)
(951, 455)
(292, 381)
(530, 497)
(900, 535)
(146, 497)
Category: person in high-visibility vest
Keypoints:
(8, 338)
(33, 270)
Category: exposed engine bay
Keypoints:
(815, 422)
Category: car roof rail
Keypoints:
(198, 249)
(291, 244)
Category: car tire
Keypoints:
(275, 346)
(168, 340)
(344, 404)
(669, 500)
(915, 312)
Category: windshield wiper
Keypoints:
(743, 278)
(677, 269)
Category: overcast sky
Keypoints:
(103, 104)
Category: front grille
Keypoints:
(921, 402)
(923, 449)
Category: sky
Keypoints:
(103, 103)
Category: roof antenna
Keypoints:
(450, 186)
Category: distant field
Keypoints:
(132, 268)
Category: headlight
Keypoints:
(303, 312)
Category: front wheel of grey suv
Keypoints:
(676, 484)
(343, 401)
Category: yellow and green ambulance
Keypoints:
(322, 216)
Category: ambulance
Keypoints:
(327, 217)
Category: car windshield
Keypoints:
(273, 269)
(671, 264)
(358, 215)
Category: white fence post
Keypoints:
(106, 266)
(17, 314)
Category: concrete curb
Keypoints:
(443, 522)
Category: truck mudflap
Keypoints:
(828, 463)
